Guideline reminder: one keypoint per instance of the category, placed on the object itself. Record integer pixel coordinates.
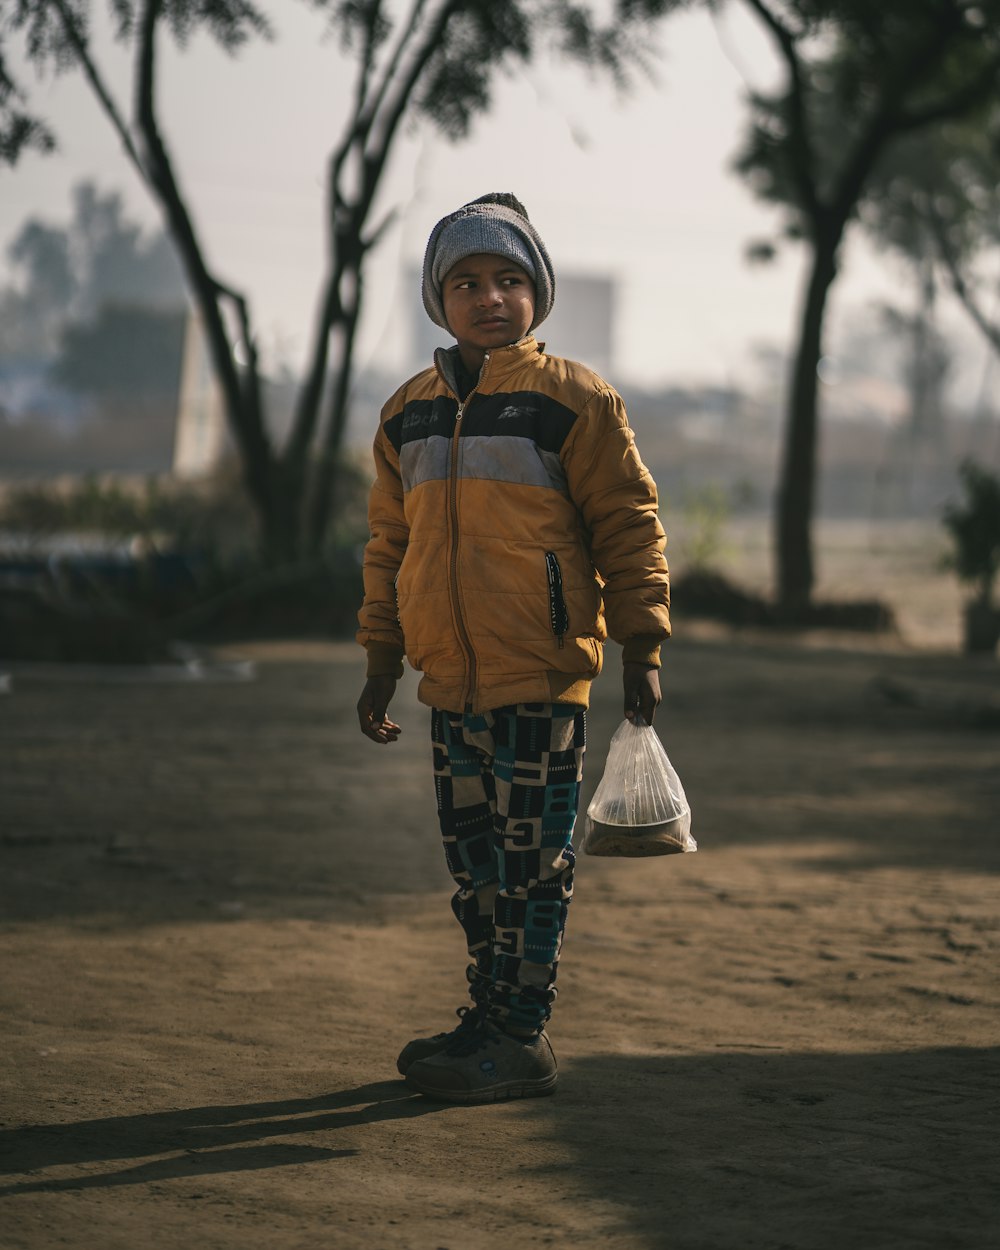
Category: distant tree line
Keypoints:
(97, 297)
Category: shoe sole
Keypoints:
(491, 1093)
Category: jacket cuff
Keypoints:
(385, 659)
(642, 649)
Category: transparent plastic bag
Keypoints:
(640, 807)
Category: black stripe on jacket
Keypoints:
(515, 414)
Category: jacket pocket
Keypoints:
(558, 615)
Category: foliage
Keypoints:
(936, 202)
(164, 513)
(974, 528)
(859, 75)
(705, 511)
(207, 516)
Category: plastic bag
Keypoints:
(640, 807)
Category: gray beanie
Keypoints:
(496, 225)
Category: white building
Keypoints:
(200, 438)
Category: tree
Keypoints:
(67, 274)
(434, 60)
(858, 78)
(30, 313)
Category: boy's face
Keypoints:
(489, 301)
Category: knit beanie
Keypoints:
(496, 224)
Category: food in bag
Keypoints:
(639, 807)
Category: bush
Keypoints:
(699, 593)
(104, 570)
(160, 514)
(974, 527)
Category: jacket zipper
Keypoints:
(558, 614)
(463, 633)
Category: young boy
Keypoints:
(513, 527)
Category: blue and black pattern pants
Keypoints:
(508, 788)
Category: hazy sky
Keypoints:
(636, 187)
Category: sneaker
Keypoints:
(486, 1065)
(424, 1047)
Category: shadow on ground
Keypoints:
(211, 1140)
(760, 1150)
(768, 1149)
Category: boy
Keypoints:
(510, 518)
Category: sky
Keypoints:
(638, 187)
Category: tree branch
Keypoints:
(406, 35)
(369, 141)
(307, 408)
(325, 473)
(375, 237)
(78, 43)
(433, 40)
(368, 55)
(366, 108)
(957, 279)
(245, 418)
(798, 133)
(346, 227)
(251, 377)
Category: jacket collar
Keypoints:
(498, 363)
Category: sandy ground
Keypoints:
(224, 911)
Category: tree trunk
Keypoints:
(981, 627)
(323, 499)
(797, 483)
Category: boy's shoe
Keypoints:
(486, 1065)
(424, 1047)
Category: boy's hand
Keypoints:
(375, 698)
(642, 691)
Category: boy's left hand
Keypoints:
(375, 698)
(642, 691)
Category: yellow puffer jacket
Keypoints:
(510, 534)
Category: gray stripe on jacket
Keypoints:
(490, 457)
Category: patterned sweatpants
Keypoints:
(508, 788)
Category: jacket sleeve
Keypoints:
(617, 499)
(379, 631)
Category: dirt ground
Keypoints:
(224, 911)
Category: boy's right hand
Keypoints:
(375, 698)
